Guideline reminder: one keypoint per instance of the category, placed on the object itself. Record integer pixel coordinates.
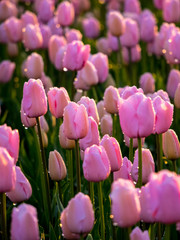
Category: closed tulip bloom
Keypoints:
(116, 24)
(148, 27)
(29, 18)
(22, 190)
(92, 136)
(171, 10)
(76, 55)
(101, 109)
(65, 13)
(34, 66)
(177, 97)
(132, 6)
(32, 37)
(59, 56)
(102, 45)
(127, 91)
(75, 121)
(138, 234)
(10, 140)
(47, 82)
(7, 171)
(173, 81)
(147, 83)
(137, 116)
(113, 151)
(46, 35)
(26, 121)
(113, 42)
(96, 165)
(12, 49)
(34, 98)
(63, 140)
(106, 125)
(55, 27)
(57, 167)
(91, 27)
(6, 71)
(148, 165)
(111, 99)
(45, 10)
(125, 205)
(80, 214)
(24, 223)
(165, 192)
(90, 106)
(58, 99)
(13, 28)
(171, 145)
(158, 3)
(125, 170)
(73, 35)
(163, 110)
(7, 9)
(100, 61)
(3, 34)
(43, 124)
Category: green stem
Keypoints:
(159, 151)
(119, 64)
(44, 175)
(131, 149)
(128, 233)
(167, 232)
(91, 192)
(95, 94)
(114, 117)
(159, 231)
(139, 183)
(174, 165)
(81, 237)
(70, 171)
(59, 190)
(78, 173)
(3, 220)
(101, 208)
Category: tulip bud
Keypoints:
(171, 10)
(138, 234)
(171, 145)
(101, 109)
(59, 57)
(29, 18)
(7, 171)
(13, 28)
(26, 121)
(63, 140)
(12, 49)
(147, 83)
(111, 99)
(57, 167)
(73, 35)
(7, 10)
(65, 13)
(106, 125)
(45, 10)
(116, 24)
(132, 6)
(173, 81)
(91, 27)
(125, 170)
(6, 71)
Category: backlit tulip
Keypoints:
(13, 28)
(7, 9)
(34, 66)
(116, 24)
(29, 18)
(65, 13)
(111, 99)
(171, 10)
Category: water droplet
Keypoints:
(26, 128)
(60, 224)
(115, 224)
(14, 204)
(111, 216)
(65, 69)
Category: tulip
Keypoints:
(173, 81)
(137, 116)
(24, 223)
(59, 56)
(91, 27)
(125, 206)
(132, 6)
(76, 55)
(92, 136)
(45, 10)
(116, 24)
(12, 49)
(129, 91)
(7, 171)
(3, 34)
(47, 82)
(58, 99)
(96, 165)
(147, 83)
(55, 27)
(7, 10)
(113, 42)
(106, 125)
(32, 37)
(148, 165)
(125, 170)
(101, 109)
(26, 121)
(10, 140)
(111, 99)
(22, 190)
(63, 140)
(113, 151)
(46, 35)
(57, 167)
(158, 3)
(102, 46)
(29, 18)
(90, 106)
(73, 35)
(34, 98)
(137, 234)
(34, 66)
(171, 145)
(177, 97)
(6, 71)
(100, 61)
(135, 141)
(13, 28)
(65, 13)
(75, 121)
(171, 10)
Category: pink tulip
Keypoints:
(100, 62)
(113, 42)
(174, 46)
(158, 3)
(96, 165)
(34, 98)
(101, 109)
(45, 10)
(58, 99)
(132, 54)
(55, 27)
(113, 151)
(75, 121)
(63, 140)
(160, 93)
(7, 10)
(79, 216)
(148, 165)
(147, 83)
(13, 28)
(177, 97)
(26, 121)
(24, 223)
(131, 35)
(76, 55)
(92, 136)
(29, 18)
(3, 34)
(127, 91)
(6, 71)
(102, 45)
(116, 23)
(163, 110)
(12, 49)
(171, 10)
(90, 106)
(7, 171)
(111, 99)
(46, 35)
(47, 82)
(125, 205)
(32, 37)
(73, 35)
(10, 140)
(132, 6)
(125, 170)
(59, 56)
(106, 125)
(137, 116)
(22, 190)
(65, 13)
(81, 6)
(91, 27)
(173, 81)
(138, 234)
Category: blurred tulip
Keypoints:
(138, 234)
(3, 34)
(158, 3)
(132, 6)
(147, 83)
(177, 97)
(29, 18)
(45, 10)
(113, 42)
(6, 71)
(171, 10)
(173, 81)
(135, 141)
(7, 10)
(111, 99)
(59, 56)
(125, 170)
(13, 28)
(65, 13)
(63, 140)
(116, 23)
(46, 35)
(26, 121)
(12, 49)
(55, 27)
(73, 35)
(102, 46)
(101, 109)
(91, 27)
(106, 125)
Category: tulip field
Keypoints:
(90, 119)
